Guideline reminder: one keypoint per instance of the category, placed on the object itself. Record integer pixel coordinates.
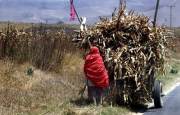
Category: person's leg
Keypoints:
(99, 95)
(92, 94)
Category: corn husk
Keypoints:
(133, 52)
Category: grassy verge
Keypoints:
(46, 93)
(173, 76)
(92, 110)
(40, 92)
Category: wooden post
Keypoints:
(156, 11)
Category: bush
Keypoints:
(174, 71)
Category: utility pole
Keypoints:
(155, 15)
(170, 16)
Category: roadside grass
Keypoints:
(45, 93)
(93, 110)
(40, 92)
(172, 76)
(71, 109)
(114, 111)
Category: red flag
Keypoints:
(72, 11)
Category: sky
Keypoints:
(58, 10)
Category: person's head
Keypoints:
(94, 50)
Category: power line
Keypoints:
(154, 8)
(170, 11)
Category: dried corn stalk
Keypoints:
(44, 49)
(133, 52)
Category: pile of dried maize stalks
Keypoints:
(133, 52)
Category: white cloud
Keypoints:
(34, 10)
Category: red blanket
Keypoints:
(95, 70)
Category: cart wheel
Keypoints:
(158, 103)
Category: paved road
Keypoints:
(171, 104)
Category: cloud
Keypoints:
(54, 10)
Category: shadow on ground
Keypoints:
(81, 102)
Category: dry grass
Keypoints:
(43, 48)
(44, 92)
(18, 25)
(41, 92)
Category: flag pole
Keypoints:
(72, 3)
(77, 15)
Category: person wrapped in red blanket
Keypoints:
(96, 75)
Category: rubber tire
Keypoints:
(157, 95)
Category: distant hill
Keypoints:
(68, 28)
